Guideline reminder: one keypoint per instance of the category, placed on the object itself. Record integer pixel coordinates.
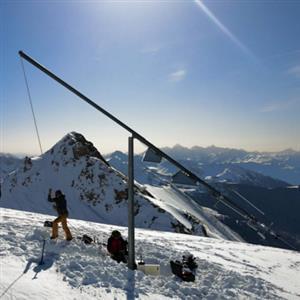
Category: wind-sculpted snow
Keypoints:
(176, 202)
(74, 270)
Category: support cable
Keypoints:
(31, 106)
(261, 227)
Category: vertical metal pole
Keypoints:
(131, 258)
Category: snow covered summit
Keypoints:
(97, 192)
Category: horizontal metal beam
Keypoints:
(222, 198)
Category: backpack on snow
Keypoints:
(87, 239)
(182, 272)
(184, 269)
(48, 224)
(190, 261)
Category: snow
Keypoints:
(294, 187)
(180, 205)
(97, 192)
(74, 270)
(37, 283)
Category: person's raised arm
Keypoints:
(49, 196)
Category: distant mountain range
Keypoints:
(284, 165)
(220, 164)
(208, 169)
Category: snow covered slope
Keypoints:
(176, 203)
(73, 270)
(95, 191)
(236, 174)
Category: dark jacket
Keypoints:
(60, 204)
(116, 245)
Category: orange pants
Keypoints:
(63, 220)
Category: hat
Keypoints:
(116, 234)
(58, 193)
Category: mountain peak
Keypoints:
(288, 151)
(75, 145)
(179, 147)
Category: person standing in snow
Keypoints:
(62, 211)
(117, 247)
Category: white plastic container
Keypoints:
(149, 269)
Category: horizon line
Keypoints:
(23, 154)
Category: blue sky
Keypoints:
(178, 72)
